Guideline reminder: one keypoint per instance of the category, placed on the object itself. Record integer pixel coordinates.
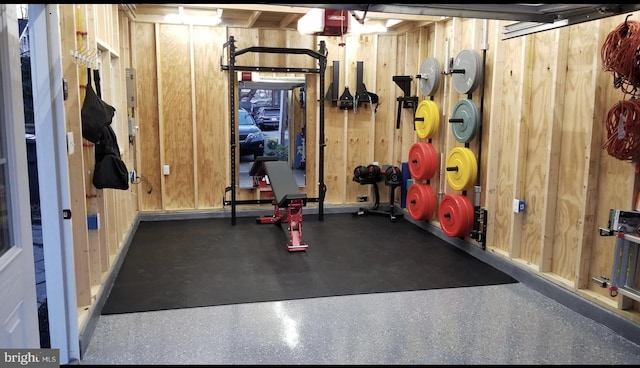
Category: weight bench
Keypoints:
(287, 198)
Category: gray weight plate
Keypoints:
(429, 76)
(478, 79)
(468, 61)
(467, 111)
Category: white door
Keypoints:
(18, 306)
(48, 115)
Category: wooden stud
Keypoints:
(69, 23)
(553, 138)
(194, 124)
(161, 135)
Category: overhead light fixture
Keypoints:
(370, 26)
(200, 20)
(392, 22)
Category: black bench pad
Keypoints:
(257, 169)
(283, 183)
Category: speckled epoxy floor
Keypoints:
(501, 324)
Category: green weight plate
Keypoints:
(467, 111)
(430, 76)
(469, 61)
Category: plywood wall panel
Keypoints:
(400, 66)
(615, 181)
(106, 20)
(245, 38)
(538, 122)
(114, 26)
(175, 72)
(579, 92)
(148, 117)
(508, 116)
(587, 230)
(384, 119)
(360, 133)
(295, 39)
(271, 38)
(210, 101)
(101, 16)
(555, 112)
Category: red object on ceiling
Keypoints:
(336, 22)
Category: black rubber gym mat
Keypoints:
(204, 262)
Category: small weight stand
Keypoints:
(374, 210)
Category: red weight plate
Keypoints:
(423, 161)
(448, 215)
(466, 215)
(421, 201)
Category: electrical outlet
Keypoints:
(363, 198)
(165, 169)
(518, 205)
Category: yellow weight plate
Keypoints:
(422, 117)
(434, 114)
(474, 168)
(461, 168)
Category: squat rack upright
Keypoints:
(232, 53)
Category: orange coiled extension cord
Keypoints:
(620, 55)
(623, 130)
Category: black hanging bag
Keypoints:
(95, 113)
(110, 171)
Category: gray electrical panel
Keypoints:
(132, 100)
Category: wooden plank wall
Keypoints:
(95, 250)
(544, 95)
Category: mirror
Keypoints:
(271, 122)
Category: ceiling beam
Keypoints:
(288, 19)
(252, 19)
